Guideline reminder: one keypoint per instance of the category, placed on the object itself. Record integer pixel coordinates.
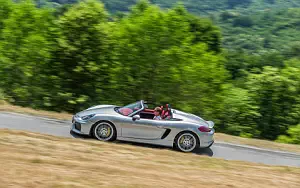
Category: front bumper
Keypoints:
(81, 127)
(75, 129)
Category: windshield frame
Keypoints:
(135, 112)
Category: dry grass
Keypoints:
(35, 160)
(219, 136)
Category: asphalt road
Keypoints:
(218, 150)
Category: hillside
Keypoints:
(255, 26)
(201, 6)
(275, 30)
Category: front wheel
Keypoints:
(105, 131)
(186, 141)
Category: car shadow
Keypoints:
(75, 135)
(199, 151)
(204, 151)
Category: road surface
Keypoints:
(219, 150)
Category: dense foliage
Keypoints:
(256, 26)
(196, 6)
(67, 58)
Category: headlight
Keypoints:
(87, 117)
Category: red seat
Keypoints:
(166, 114)
(162, 112)
(125, 111)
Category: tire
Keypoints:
(186, 141)
(105, 131)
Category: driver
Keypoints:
(157, 113)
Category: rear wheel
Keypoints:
(186, 141)
(105, 131)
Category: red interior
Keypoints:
(126, 111)
(164, 114)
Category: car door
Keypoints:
(142, 128)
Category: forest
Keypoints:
(234, 62)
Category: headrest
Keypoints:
(168, 106)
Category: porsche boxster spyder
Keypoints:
(135, 123)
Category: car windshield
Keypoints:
(130, 108)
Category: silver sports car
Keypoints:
(134, 122)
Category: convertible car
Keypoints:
(134, 122)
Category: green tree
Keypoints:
(82, 63)
(143, 39)
(202, 85)
(243, 21)
(154, 47)
(293, 136)
(25, 48)
(5, 10)
(234, 3)
(276, 94)
(240, 114)
(204, 31)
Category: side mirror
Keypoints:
(136, 117)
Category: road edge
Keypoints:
(253, 148)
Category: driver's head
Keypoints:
(157, 111)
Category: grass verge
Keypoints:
(219, 136)
(36, 160)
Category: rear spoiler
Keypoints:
(210, 124)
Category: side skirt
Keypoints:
(167, 143)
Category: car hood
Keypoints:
(99, 109)
(189, 117)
